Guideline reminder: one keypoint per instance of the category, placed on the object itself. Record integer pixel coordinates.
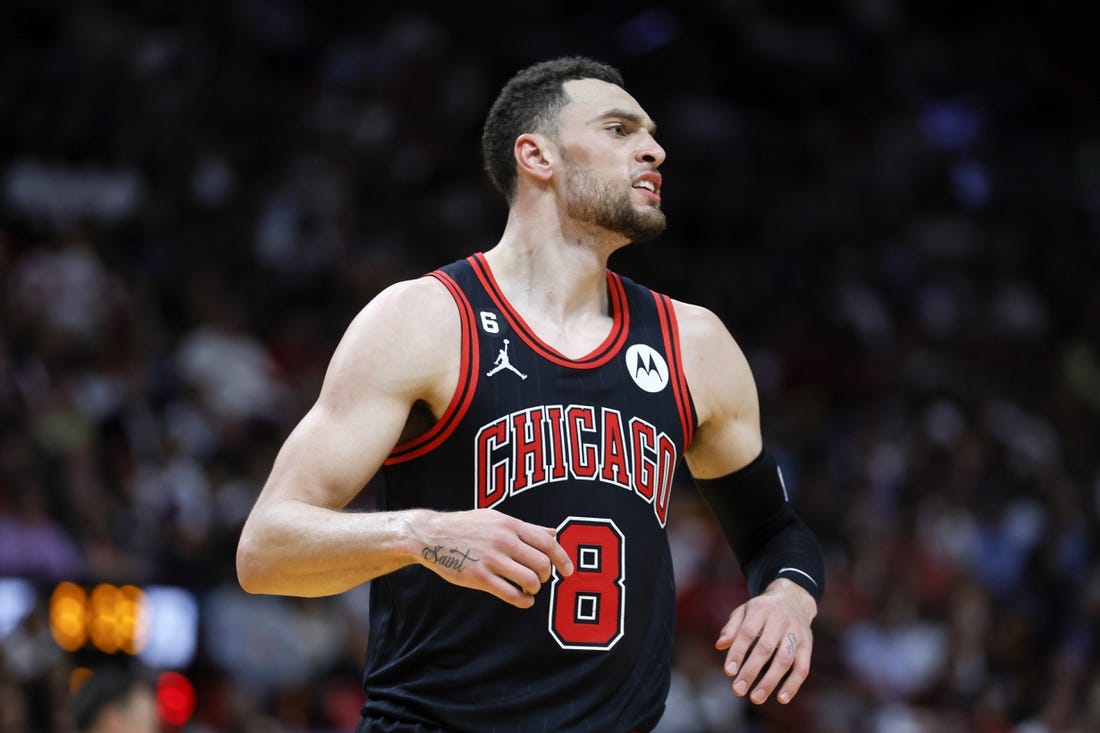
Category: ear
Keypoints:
(535, 156)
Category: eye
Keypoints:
(617, 129)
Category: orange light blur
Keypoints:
(77, 678)
(69, 616)
(114, 619)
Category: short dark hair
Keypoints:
(104, 689)
(530, 102)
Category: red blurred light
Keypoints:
(175, 698)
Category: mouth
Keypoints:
(650, 183)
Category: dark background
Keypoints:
(895, 207)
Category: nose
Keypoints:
(650, 151)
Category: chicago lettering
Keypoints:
(548, 443)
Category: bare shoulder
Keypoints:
(407, 312)
(698, 326)
(404, 340)
(709, 350)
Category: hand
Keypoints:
(489, 551)
(774, 626)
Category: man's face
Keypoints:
(609, 161)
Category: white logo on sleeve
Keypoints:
(647, 367)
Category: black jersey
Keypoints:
(586, 445)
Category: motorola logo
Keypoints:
(647, 367)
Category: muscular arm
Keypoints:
(724, 393)
(402, 348)
(775, 625)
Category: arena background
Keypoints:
(895, 207)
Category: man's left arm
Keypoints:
(780, 557)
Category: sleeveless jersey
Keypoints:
(586, 445)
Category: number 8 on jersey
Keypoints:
(586, 608)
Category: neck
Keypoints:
(555, 268)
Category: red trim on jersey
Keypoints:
(464, 391)
(598, 357)
(667, 317)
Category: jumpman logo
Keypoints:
(503, 363)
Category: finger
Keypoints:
(743, 641)
(509, 592)
(560, 558)
(502, 577)
(754, 662)
(523, 577)
(729, 631)
(778, 665)
(799, 671)
(548, 544)
(532, 558)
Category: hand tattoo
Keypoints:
(453, 558)
(792, 642)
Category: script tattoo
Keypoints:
(451, 558)
(792, 641)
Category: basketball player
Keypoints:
(528, 408)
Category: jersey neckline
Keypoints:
(599, 356)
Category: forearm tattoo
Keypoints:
(451, 558)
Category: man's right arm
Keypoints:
(402, 348)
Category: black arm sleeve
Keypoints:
(768, 538)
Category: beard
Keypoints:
(601, 204)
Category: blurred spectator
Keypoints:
(33, 543)
(114, 701)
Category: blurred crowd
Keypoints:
(895, 207)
